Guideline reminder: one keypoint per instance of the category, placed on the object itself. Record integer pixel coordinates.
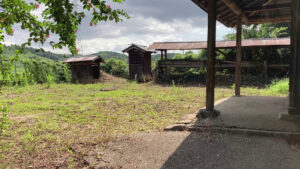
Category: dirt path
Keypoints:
(184, 150)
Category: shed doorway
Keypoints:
(96, 72)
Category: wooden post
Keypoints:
(161, 55)
(166, 55)
(266, 71)
(294, 106)
(238, 69)
(211, 59)
(211, 44)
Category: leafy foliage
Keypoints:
(156, 57)
(46, 72)
(201, 55)
(59, 17)
(116, 67)
(36, 72)
(112, 55)
(263, 31)
(279, 87)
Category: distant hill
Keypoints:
(32, 54)
(109, 54)
(46, 54)
(35, 54)
(120, 56)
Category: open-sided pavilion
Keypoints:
(235, 13)
(265, 44)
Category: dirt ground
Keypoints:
(185, 150)
(105, 77)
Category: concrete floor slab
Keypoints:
(205, 150)
(252, 112)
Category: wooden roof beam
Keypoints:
(268, 8)
(236, 9)
(270, 19)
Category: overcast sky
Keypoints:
(151, 21)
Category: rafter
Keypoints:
(236, 9)
(268, 8)
(270, 19)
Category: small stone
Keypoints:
(185, 122)
(175, 127)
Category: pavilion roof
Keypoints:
(252, 11)
(279, 42)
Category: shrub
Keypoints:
(40, 72)
(279, 87)
(50, 81)
(116, 68)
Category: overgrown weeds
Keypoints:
(3, 119)
(279, 87)
(44, 123)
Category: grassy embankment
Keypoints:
(46, 123)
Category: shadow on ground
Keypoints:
(209, 149)
(230, 152)
(252, 112)
(240, 151)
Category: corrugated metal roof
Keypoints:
(220, 44)
(84, 59)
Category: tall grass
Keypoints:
(279, 87)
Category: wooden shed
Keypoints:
(85, 69)
(139, 62)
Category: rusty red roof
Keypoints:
(280, 42)
(84, 59)
(139, 47)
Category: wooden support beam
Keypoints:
(226, 55)
(161, 55)
(294, 96)
(266, 70)
(219, 64)
(236, 9)
(268, 8)
(211, 57)
(269, 19)
(166, 55)
(238, 69)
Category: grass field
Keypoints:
(46, 123)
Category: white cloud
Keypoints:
(150, 22)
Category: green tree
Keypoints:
(116, 67)
(60, 17)
(262, 31)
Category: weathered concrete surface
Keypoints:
(255, 113)
(205, 150)
(252, 112)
